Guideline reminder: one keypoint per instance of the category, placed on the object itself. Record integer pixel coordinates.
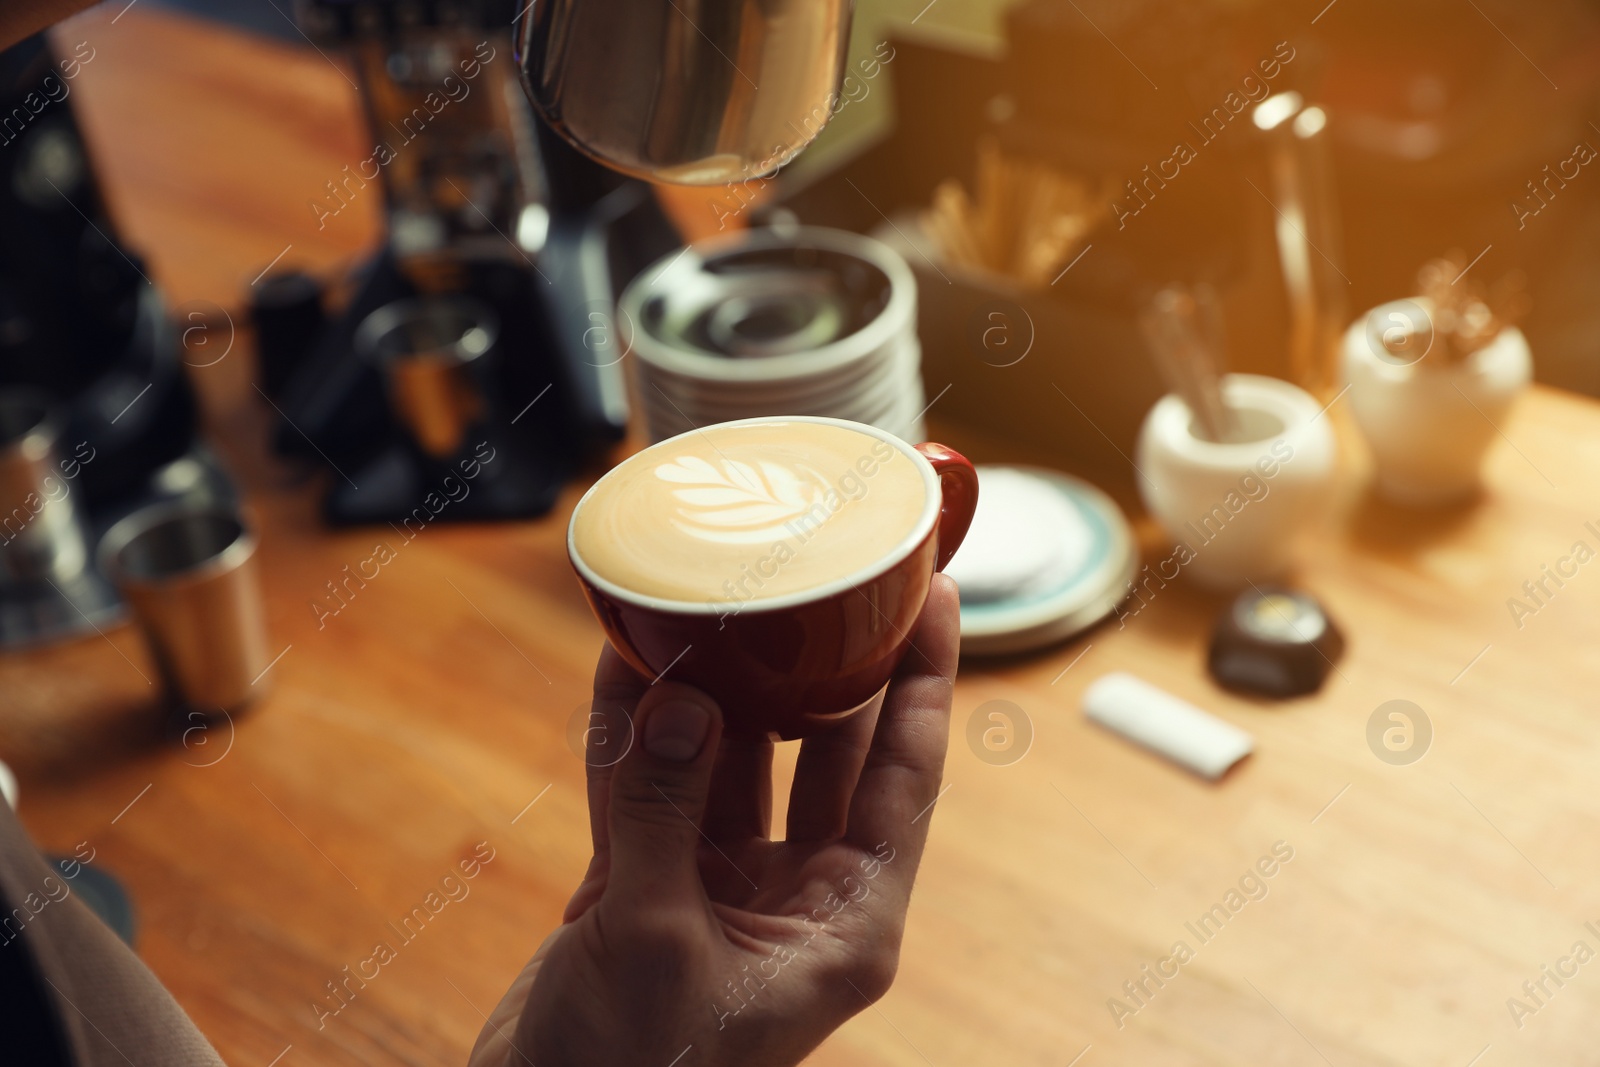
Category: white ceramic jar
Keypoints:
(1429, 422)
(1238, 512)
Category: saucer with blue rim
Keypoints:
(1048, 555)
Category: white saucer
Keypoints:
(1048, 556)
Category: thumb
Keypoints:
(658, 794)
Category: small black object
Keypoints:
(1274, 642)
(287, 312)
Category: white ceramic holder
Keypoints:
(1429, 422)
(1237, 512)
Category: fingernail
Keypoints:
(675, 730)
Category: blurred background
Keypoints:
(1443, 134)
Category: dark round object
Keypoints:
(1274, 642)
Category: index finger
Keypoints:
(608, 735)
(900, 779)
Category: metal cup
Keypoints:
(429, 349)
(41, 537)
(188, 572)
(668, 92)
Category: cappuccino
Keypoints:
(745, 512)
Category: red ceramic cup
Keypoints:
(789, 666)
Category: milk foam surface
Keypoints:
(730, 515)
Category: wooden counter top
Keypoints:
(431, 714)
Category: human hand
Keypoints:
(695, 939)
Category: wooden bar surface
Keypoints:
(431, 713)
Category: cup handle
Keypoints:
(958, 483)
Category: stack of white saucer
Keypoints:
(806, 321)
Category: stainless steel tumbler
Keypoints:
(430, 350)
(188, 573)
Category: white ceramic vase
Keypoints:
(1429, 422)
(1238, 512)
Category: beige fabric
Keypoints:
(114, 1010)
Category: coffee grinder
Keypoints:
(484, 324)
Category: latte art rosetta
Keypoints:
(733, 502)
(735, 514)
